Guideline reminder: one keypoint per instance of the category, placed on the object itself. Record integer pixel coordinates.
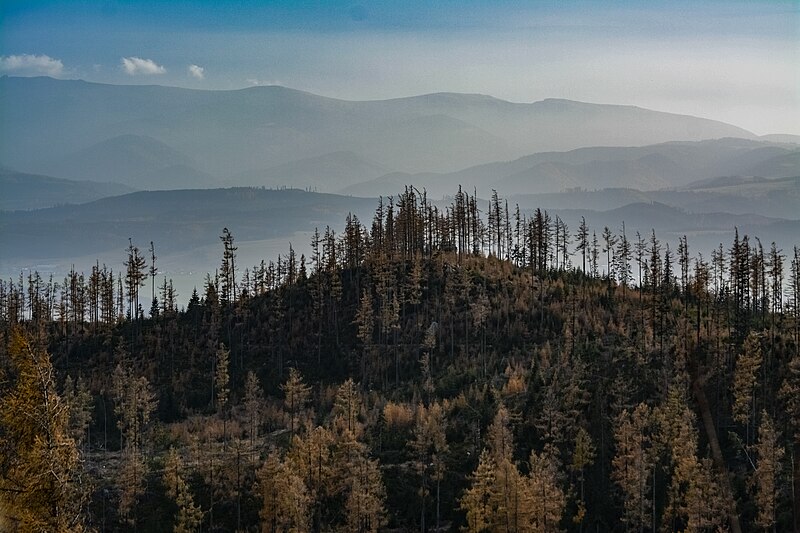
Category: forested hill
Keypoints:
(431, 370)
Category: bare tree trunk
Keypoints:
(716, 451)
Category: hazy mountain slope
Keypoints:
(648, 167)
(781, 138)
(390, 184)
(557, 124)
(651, 171)
(136, 160)
(327, 172)
(785, 164)
(175, 220)
(228, 132)
(31, 191)
(704, 231)
(773, 198)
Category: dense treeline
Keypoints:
(437, 369)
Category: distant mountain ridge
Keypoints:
(327, 172)
(178, 220)
(225, 133)
(21, 191)
(136, 160)
(777, 197)
(652, 167)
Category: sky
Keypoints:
(735, 61)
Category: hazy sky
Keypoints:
(733, 61)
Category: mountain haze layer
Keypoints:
(22, 191)
(137, 160)
(224, 133)
(665, 165)
(178, 220)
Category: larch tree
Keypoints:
(79, 399)
(221, 379)
(694, 496)
(744, 378)
(42, 487)
(365, 504)
(633, 462)
(365, 321)
(546, 499)
(477, 499)
(190, 516)
(253, 403)
(509, 496)
(284, 498)
(582, 456)
(296, 394)
(430, 448)
(347, 406)
(134, 404)
(769, 454)
(790, 397)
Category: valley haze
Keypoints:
(79, 142)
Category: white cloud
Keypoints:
(197, 71)
(137, 65)
(31, 64)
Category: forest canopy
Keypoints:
(433, 369)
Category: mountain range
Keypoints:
(664, 165)
(86, 166)
(48, 123)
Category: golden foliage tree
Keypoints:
(633, 462)
(296, 394)
(582, 456)
(769, 454)
(546, 498)
(134, 404)
(430, 448)
(77, 396)
(42, 487)
(347, 406)
(477, 500)
(744, 378)
(365, 505)
(284, 498)
(190, 516)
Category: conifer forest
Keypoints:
(461, 367)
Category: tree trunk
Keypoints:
(716, 450)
